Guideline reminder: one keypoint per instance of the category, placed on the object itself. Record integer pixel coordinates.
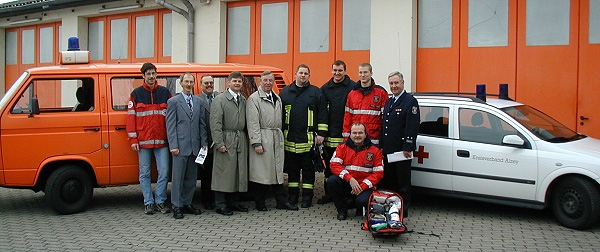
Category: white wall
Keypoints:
(393, 40)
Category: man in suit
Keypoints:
(227, 127)
(400, 127)
(186, 132)
(207, 196)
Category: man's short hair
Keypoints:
(206, 75)
(302, 66)
(360, 124)
(367, 65)
(147, 66)
(396, 73)
(184, 74)
(265, 73)
(339, 63)
(235, 75)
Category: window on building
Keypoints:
(58, 95)
(119, 38)
(11, 48)
(435, 24)
(356, 27)
(488, 23)
(144, 36)
(434, 121)
(47, 47)
(274, 28)
(238, 30)
(594, 22)
(166, 36)
(547, 22)
(314, 26)
(96, 40)
(28, 46)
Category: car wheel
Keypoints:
(69, 190)
(576, 203)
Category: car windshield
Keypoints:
(542, 125)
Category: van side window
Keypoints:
(434, 121)
(483, 127)
(62, 95)
(121, 88)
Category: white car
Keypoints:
(506, 152)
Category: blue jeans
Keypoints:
(162, 165)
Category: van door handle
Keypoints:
(91, 129)
(463, 153)
(120, 128)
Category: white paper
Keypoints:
(398, 156)
(201, 155)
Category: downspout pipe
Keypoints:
(189, 16)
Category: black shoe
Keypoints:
(288, 206)
(209, 206)
(306, 203)
(359, 211)
(190, 209)
(239, 208)
(224, 211)
(326, 199)
(342, 214)
(260, 206)
(177, 214)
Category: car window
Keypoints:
(434, 121)
(483, 127)
(57, 95)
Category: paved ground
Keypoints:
(115, 222)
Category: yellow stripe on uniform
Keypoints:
(293, 184)
(308, 186)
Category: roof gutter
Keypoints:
(189, 15)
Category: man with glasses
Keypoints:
(207, 196)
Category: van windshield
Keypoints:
(542, 125)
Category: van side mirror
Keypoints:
(513, 140)
(35, 107)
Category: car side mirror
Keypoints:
(513, 140)
(35, 107)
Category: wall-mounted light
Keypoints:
(25, 21)
(120, 8)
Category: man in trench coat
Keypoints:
(227, 127)
(263, 116)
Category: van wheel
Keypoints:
(576, 203)
(69, 190)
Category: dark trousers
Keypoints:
(327, 172)
(296, 164)
(207, 196)
(227, 199)
(396, 177)
(183, 180)
(340, 190)
(259, 191)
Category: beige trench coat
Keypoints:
(264, 128)
(227, 123)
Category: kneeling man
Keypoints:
(357, 166)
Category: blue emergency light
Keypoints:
(503, 92)
(73, 44)
(480, 94)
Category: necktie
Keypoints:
(269, 98)
(210, 98)
(189, 102)
(237, 100)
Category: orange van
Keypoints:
(62, 128)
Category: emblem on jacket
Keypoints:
(370, 156)
(415, 110)
(376, 98)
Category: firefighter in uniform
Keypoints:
(335, 91)
(357, 166)
(304, 114)
(400, 127)
(365, 104)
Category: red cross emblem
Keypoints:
(421, 154)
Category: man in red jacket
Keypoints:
(147, 132)
(357, 166)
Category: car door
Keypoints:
(431, 168)
(483, 166)
(68, 124)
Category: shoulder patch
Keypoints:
(130, 104)
(415, 109)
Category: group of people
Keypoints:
(252, 141)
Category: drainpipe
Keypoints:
(189, 15)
